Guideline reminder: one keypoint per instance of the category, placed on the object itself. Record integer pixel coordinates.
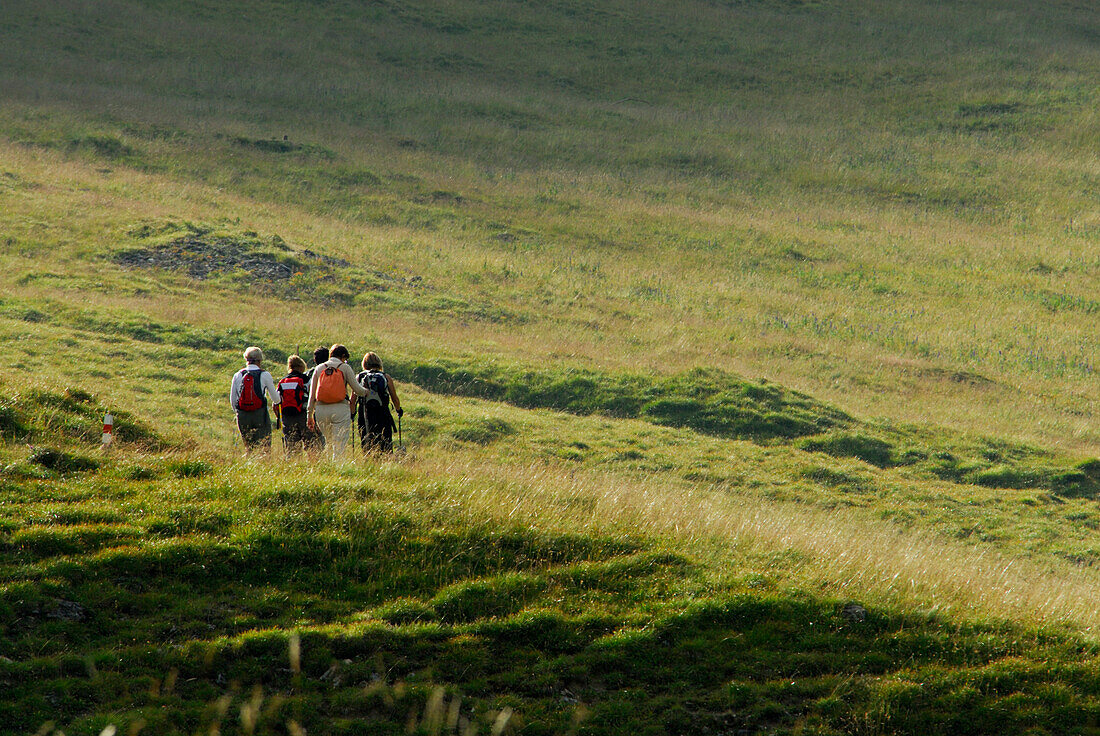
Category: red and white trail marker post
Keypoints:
(108, 430)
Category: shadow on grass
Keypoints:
(745, 663)
(169, 619)
(706, 400)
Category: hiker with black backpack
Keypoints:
(329, 409)
(373, 410)
(293, 389)
(249, 392)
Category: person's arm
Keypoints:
(393, 394)
(312, 403)
(268, 382)
(235, 390)
(353, 384)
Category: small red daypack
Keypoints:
(292, 392)
(252, 392)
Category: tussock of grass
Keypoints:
(61, 461)
(870, 450)
(482, 430)
(75, 414)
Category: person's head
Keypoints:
(339, 351)
(371, 362)
(253, 355)
(320, 355)
(295, 363)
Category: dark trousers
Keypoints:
(255, 428)
(295, 432)
(376, 429)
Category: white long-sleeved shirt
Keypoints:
(267, 383)
(349, 380)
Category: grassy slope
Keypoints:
(839, 185)
(175, 594)
(817, 194)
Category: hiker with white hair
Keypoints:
(249, 392)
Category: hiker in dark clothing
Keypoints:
(314, 440)
(373, 410)
(293, 388)
(320, 355)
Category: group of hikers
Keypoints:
(316, 407)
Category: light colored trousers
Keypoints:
(334, 422)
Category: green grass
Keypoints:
(156, 569)
(711, 402)
(152, 601)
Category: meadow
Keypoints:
(748, 348)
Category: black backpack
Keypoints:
(377, 386)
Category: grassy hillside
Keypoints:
(817, 193)
(748, 348)
(477, 592)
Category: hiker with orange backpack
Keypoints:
(249, 391)
(293, 389)
(328, 408)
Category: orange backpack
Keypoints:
(331, 387)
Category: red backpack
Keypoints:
(252, 391)
(292, 392)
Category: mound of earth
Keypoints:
(206, 256)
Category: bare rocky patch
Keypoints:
(270, 264)
(206, 256)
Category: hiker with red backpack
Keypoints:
(293, 390)
(373, 410)
(249, 392)
(328, 408)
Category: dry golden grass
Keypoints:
(844, 555)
